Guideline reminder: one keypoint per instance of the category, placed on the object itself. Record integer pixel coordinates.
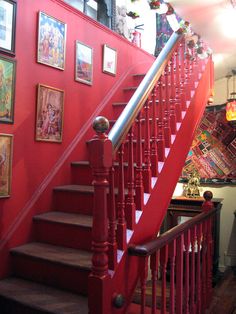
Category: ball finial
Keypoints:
(100, 124)
(207, 195)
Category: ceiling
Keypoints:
(209, 19)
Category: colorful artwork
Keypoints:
(51, 41)
(213, 151)
(109, 60)
(83, 63)
(7, 89)
(49, 120)
(5, 164)
(7, 26)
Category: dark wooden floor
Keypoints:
(224, 298)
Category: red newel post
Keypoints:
(100, 158)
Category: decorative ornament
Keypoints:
(154, 4)
(231, 111)
(133, 15)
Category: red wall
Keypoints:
(37, 166)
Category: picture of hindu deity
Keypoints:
(7, 89)
(49, 120)
(5, 164)
(51, 41)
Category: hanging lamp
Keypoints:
(231, 102)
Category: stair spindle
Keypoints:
(172, 256)
(193, 269)
(147, 161)
(172, 97)
(167, 131)
(139, 189)
(161, 140)
(163, 264)
(186, 275)
(154, 155)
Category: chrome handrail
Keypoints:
(130, 112)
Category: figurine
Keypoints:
(192, 187)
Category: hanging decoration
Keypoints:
(194, 45)
(231, 102)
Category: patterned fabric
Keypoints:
(163, 32)
(213, 151)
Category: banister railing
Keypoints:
(181, 262)
(129, 114)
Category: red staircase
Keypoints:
(119, 197)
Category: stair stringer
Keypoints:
(124, 279)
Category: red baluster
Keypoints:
(203, 270)
(193, 270)
(209, 260)
(172, 97)
(130, 204)
(112, 244)
(178, 108)
(101, 162)
(143, 280)
(139, 172)
(182, 76)
(121, 225)
(147, 161)
(154, 274)
(154, 156)
(172, 256)
(186, 275)
(161, 140)
(163, 264)
(167, 132)
(199, 248)
(179, 274)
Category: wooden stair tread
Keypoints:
(41, 297)
(55, 254)
(65, 218)
(75, 188)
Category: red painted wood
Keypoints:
(154, 278)
(178, 107)
(139, 188)
(193, 270)
(187, 272)
(172, 256)
(161, 139)
(198, 279)
(154, 155)
(130, 206)
(172, 96)
(179, 274)
(167, 130)
(182, 75)
(147, 151)
(143, 280)
(204, 264)
(121, 224)
(112, 243)
(163, 265)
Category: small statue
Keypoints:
(192, 187)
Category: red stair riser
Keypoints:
(73, 202)
(53, 274)
(77, 237)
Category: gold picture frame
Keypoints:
(6, 151)
(49, 114)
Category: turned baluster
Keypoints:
(167, 132)
(163, 264)
(112, 244)
(161, 140)
(154, 156)
(143, 280)
(203, 270)
(198, 288)
(139, 189)
(186, 275)
(154, 277)
(178, 107)
(172, 256)
(121, 224)
(179, 274)
(182, 76)
(193, 270)
(147, 161)
(130, 204)
(172, 97)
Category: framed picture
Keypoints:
(6, 143)
(49, 117)
(7, 89)
(109, 60)
(7, 26)
(51, 41)
(83, 63)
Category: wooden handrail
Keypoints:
(129, 114)
(148, 248)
